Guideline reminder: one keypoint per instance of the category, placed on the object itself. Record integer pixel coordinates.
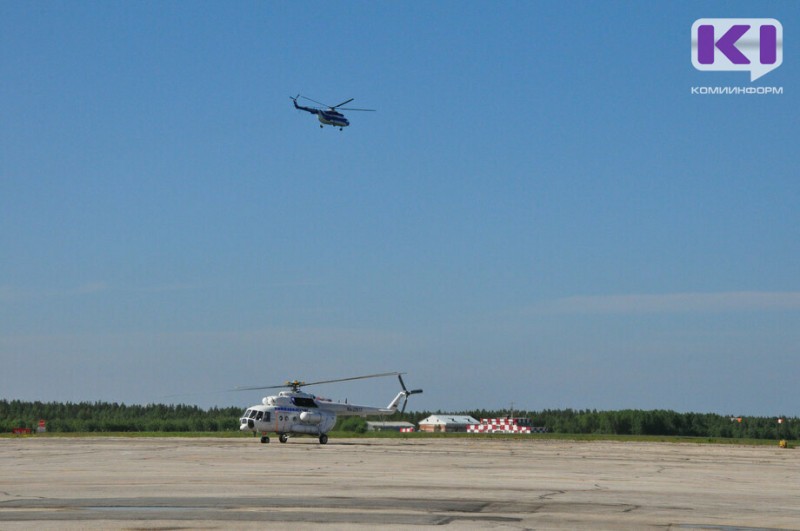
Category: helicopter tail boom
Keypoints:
(300, 107)
(363, 411)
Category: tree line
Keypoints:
(65, 417)
(114, 417)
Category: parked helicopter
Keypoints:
(295, 412)
(329, 116)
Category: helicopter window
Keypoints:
(251, 414)
(259, 415)
(301, 401)
(266, 416)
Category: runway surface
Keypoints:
(526, 483)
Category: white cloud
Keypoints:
(674, 303)
(14, 294)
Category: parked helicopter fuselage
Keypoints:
(295, 412)
(289, 412)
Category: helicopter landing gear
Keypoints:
(323, 439)
(264, 439)
(283, 437)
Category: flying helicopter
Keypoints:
(295, 412)
(328, 115)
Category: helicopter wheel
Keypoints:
(264, 439)
(323, 439)
(283, 437)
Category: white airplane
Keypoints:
(295, 412)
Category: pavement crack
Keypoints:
(549, 495)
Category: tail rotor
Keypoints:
(406, 392)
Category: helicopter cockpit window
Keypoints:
(259, 415)
(251, 414)
(266, 416)
(301, 401)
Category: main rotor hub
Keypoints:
(295, 385)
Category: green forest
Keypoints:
(89, 417)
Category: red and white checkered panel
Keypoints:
(504, 425)
(505, 421)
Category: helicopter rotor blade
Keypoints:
(258, 387)
(317, 102)
(303, 384)
(402, 383)
(334, 107)
(343, 103)
(406, 392)
(355, 378)
(409, 393)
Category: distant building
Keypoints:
(447, 423)
(390, 426)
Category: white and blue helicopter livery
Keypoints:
(328, 116)
(295, 412)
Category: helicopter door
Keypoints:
(283, 421)
(262, 420)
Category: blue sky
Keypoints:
(540, 212)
